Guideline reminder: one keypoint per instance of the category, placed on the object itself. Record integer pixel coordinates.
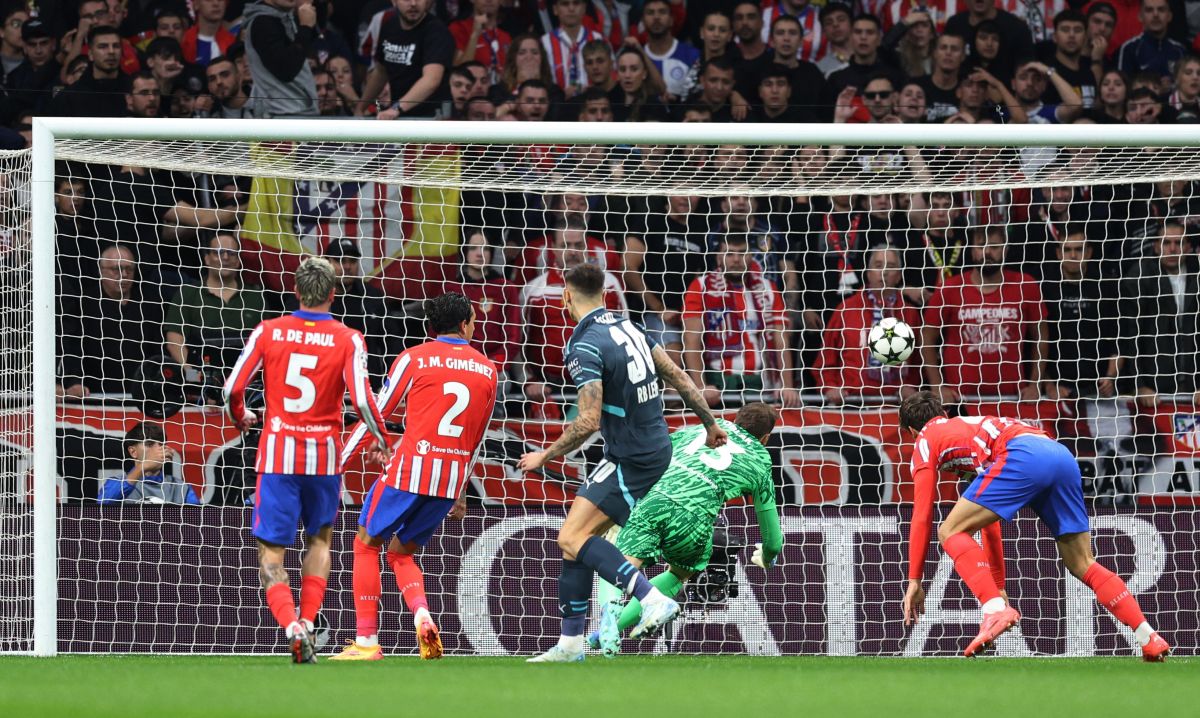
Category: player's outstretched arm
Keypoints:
(919, 534)
(591, 399)
(691, 396)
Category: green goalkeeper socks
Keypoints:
(666, 582)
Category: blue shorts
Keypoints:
(1039, 473)
(282, 500)
(412, 518)
(615, 488)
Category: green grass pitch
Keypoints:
(680, 686)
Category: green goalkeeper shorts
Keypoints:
(660, 529)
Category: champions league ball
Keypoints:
(891, 341)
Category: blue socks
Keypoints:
(574, 596)
(611, 565)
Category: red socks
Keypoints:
(312, 593)
(283, 607)
(409, 580)
(1113, 594)
(367, 587)
(972, 566)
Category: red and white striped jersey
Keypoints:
(309, 362)
(893, 12)
(813, 46)
(449, 389)
(566, 56)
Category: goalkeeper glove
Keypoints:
(757, 558)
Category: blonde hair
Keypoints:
(315, 280)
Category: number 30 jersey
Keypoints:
(449, 389)
(608, 348)
(309, 362)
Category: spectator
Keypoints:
(1029, 88)
(1065, 55)
(982, 320)
(1159, 318)
(806, 14)
(564, 45)
(748, 29)
(144, 99)
(92, 14)
(547, 324)
(362, 307)
(168, 22)
(342, 72)
(1152, 51)
(599, 66)
(329, 104)
(936, 247)
(594, 106)
(480, 109)
(531, 104)
(1084, 321)
(413, 58)
(878, 97)
(775, 98)
(846, 368)
(147, 481)
(1015, 38)
(1101, 21)
(526, 61)
(100, 91)
(988, 53)
(207, 324)
(12, 43)
(664, 252)
(109, 325)
(913, 42)
(1110, 106)
(497, 301)
(941, 86)
(208, 39)
(164, 59)
(1185, 100)
(480, 38)
(76, 243)
(637, 96)
(808, 83)
(33, 79)
(673, 58)
(733, 329)
(883, 223)
(278, 35)
(1143, 107)
(716, 89)
(228, 92)
(769, 249)
(836, 29)
(912, 106)
(866, 61)
(716, 33)
(461, 84)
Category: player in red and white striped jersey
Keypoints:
(453, 387)
(309, 361)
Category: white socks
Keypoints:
(420, 616)
(994, 605)
(1143, 633)
(368, 641)
(574, 644)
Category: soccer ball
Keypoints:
(891, 341)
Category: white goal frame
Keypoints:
(48, 131)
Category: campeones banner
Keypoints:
(184, 579)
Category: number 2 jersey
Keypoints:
(608, 348)
(964, 445)
(449, 389)
(309, 362)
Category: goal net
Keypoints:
(1049, 276)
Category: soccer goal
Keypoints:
(1049, 274)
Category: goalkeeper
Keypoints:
(674, 521)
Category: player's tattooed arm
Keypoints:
(675, 376)
(591, 399)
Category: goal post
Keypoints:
(837, 590)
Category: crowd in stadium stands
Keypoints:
(747, 293)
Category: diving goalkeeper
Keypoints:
(674, 521)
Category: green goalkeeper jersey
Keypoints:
(700, 480)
